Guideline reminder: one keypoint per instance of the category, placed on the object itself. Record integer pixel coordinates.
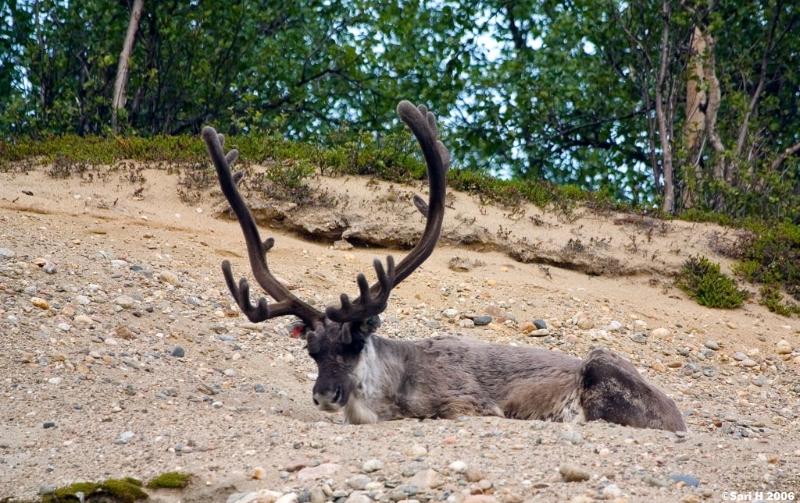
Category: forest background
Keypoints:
(684, 105)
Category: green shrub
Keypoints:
(703, 281)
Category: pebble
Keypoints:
(259, 388)
(739, 356)
(124, 437)
(49, 424)
(318, 472)
(573, 474)
(358, 497)
(258, 473)
(426, 479)
(372, 465)
(783, 347)
(660, 332)
(527, 327)
(686, 479)
(712, 344)
(64, 327)
(178, 352)
(124, 302)
(450, 313)
(542, 332)
(638, 337)
(585, 324)
(416, 451)
(49, 269)
(480, 498)
(358, 482)
(458, 467)
(658, 367)
(40, 303)
(481, 320)
(168, 277)
(539, 323)
(474, 474)
(571, 437)
(747, 362)
(5, 253)
(652, 481)
(466, 323)
(611, 492)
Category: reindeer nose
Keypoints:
(328, 399)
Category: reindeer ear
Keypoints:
(314, 339)
(369, 326)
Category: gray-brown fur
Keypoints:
(375, 379)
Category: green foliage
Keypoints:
(703, 281)
(170, 480)
(126, 490)
(772, 298)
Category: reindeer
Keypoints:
(372, 378)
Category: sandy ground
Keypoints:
(98, 287)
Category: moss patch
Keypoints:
(170, 480)
(127, 490)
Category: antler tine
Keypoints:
(286, 303)
(437, 158)
(368, 303)
(423, 124)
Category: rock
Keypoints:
(739, 356)
(542, 332)
(49, 424)
(296, 464)
(712, 344)
(450, 313)
(5, 253)
(638, 337)
(573, 474)
(416, 451)
(83, 319)
(585, 324)
(258, 473)
(783, 347)
(358, 497)
(660, 332)
(480, 498)
(686, 479)
(64, 327)
(358, 482)
(482, 320)
(286, 498)
(342, 245)
(372, 465)
(168, 277)
(466, 323)
(458, 467)
(527, 327)
(474, 474)
(571, 437)
(539, 324)
(747, 362)
(40, 303)
(426, 479)
(124, 302)
(124, 437)
(259, 388)
(49, 268)
(658, 367)
(652, 481)
(611, 492)
(178, 352)
(318, 472)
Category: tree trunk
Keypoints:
(668, 205)
(121, 82)
(695, 130)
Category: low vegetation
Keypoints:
(703, 281)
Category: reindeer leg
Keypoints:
(613, 390)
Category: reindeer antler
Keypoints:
(372, 301)
(287, 303)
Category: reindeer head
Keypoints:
(335, 339)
